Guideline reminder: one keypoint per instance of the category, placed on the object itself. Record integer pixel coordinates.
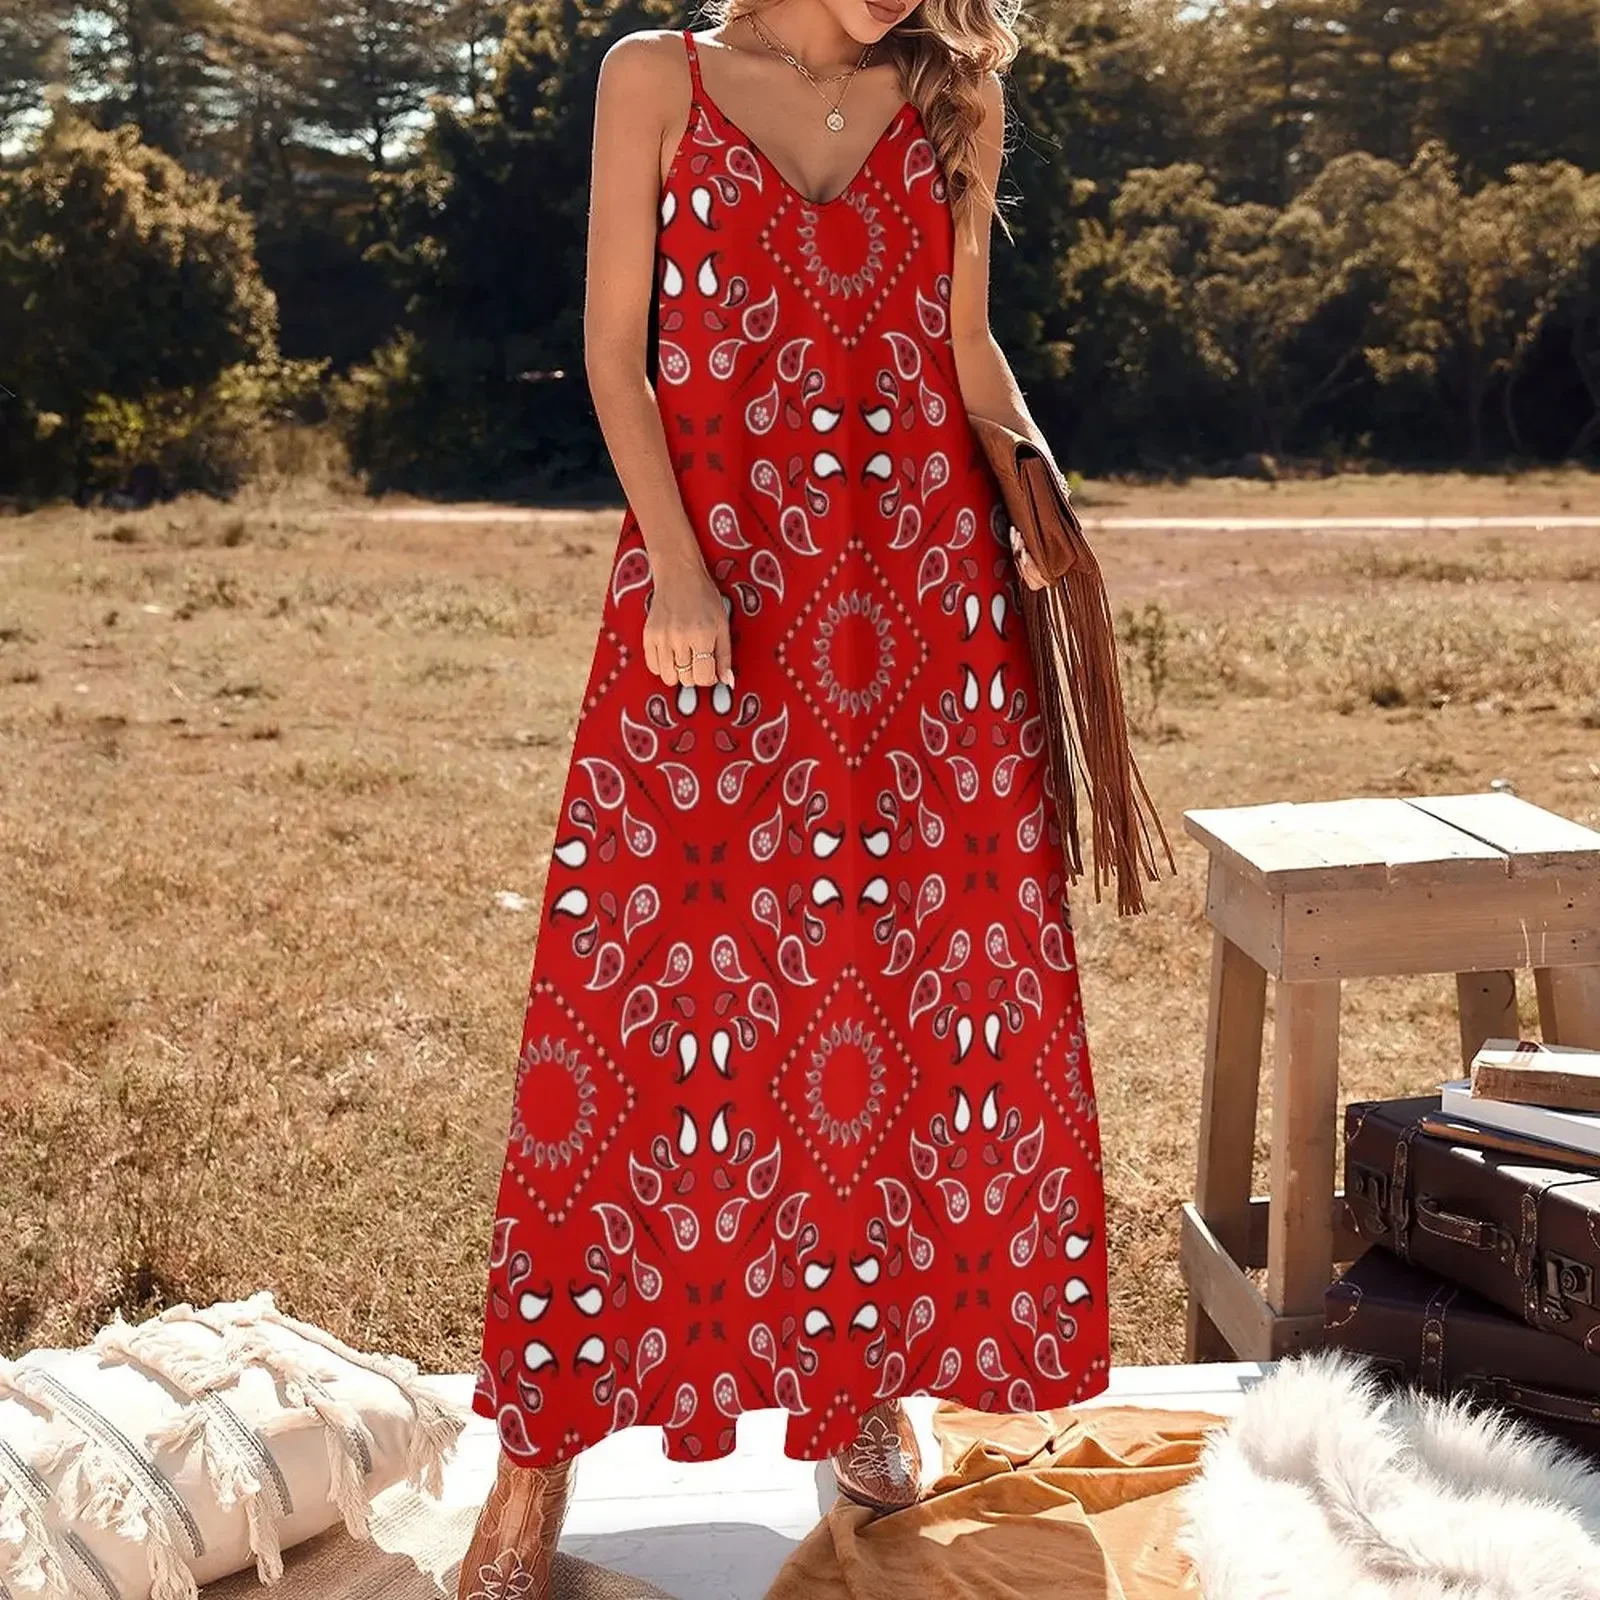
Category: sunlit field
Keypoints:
(278, 783)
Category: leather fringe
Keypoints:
(1073, 640)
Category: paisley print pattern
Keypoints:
(804, 1114)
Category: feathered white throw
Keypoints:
(1326, 1487)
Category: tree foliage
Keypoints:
(124, 280)
(485, 237)
(1314, 228)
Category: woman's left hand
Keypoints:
(1031, 575)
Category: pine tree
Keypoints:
(151, 63)
(1518, 81)
(1385, 54)
(33, 57)
(1279, 59)
(367, 69)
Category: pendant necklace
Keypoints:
(835, 117)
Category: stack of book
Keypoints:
(1483, 1209)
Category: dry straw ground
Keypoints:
(266, 770)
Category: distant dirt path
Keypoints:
(1395, 524)
(1337, 524)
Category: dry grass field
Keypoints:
(277, 786)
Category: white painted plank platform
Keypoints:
(719, 1530)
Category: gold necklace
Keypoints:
(835, 118)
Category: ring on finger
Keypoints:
(705, 655)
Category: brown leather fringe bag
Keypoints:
(1072, 637)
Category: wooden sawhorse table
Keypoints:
(1309, 895)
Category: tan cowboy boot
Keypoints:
(514, 1545)
(881, 1468)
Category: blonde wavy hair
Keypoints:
(942, 50)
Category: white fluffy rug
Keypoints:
(1324, 1487)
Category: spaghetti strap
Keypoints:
(694, 65)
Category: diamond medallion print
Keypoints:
(853, 652)
(569, 1103)
(804, 1114)
(844, 1084)
(1062, 1071)
(845, 256)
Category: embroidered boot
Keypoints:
(881, 1468)
(514, 1545)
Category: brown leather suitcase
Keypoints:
(1523, 1233)
(1421, 1331)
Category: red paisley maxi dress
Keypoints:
(803, 1113)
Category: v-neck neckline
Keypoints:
(703, 97)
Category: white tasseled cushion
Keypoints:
(174, 1452)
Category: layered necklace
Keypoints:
(835, 117)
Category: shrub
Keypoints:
(133, 317)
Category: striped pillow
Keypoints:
(173, 1452)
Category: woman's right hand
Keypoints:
(688, 623)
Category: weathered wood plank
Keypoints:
(1569, 1005)
(1235, 1021)
(1364, 842)
(1305, 1133)
(1236, 1308)
(1533, 839)
(1486, 1004)
(1455, 927)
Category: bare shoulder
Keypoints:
(650, 65)
(992, 96)
(992, 130)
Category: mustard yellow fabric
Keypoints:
(1076, 1504)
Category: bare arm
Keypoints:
(988, 387)
(633, 109)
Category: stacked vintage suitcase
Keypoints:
(1482, 1276)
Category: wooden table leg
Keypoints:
(1487, 1009)
(1569, 1005)
(1234, 1022)
(1305, 1138)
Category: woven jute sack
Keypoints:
(172, 1452)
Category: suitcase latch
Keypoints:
(1371, 1188)
(1566, 1279)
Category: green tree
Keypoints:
(471, 31)
(1471, 279)
(122, 279)
(1288, 295)
(485, 239)
(1223, 324)
(1041, 196)
(1518, 81)
(1150, 380)
(366, 69)
(1555, 211)
(1384, 55)
(261, 139)
(1581, 338)
(33, 56)
(1278, 60)
(150, 62)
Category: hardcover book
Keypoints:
(1577, 1130)
(1530, 1073)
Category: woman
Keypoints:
(803, 1114)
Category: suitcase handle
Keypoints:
(1535, 1402)
(1470, 1231)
